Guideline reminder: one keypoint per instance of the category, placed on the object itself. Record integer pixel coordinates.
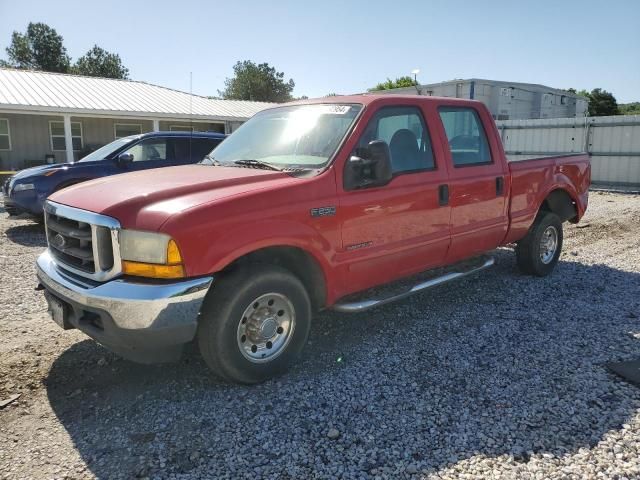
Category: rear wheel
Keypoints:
(254, 323)
(538, 252)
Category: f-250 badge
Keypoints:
(323, 211)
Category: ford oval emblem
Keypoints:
(59, 241)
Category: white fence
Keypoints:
(613, 142)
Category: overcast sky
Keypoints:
(349, 46)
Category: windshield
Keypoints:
(299, 136)
(108, 149)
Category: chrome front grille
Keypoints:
(71, 242)
(83, 242)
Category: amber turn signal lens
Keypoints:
(173, 253)
(152, 270)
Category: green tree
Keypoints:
(400, 82)
(97, 62)
(257, 82)
(39, 48)
(632, 108)
(582, 93)
(602, 103)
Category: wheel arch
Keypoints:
(297, 260)
(561, 202)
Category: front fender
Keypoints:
(244, 239)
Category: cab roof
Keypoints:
(181, 134)
(371, 98)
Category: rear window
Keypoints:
(467, 138)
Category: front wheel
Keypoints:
(538, 252)
(254, 323)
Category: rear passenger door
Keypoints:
(400, 228)
(477, 183)
(201, 147)
(188, 150)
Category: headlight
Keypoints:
(150, 254)
(23, 186)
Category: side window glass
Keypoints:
(179, 150)
(404, 130)
(151, 149)
(467, 138)
(201, 147)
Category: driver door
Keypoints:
(155, 152)
(400, 228)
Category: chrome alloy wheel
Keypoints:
(548, 244)
(266, 327)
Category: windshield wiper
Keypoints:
(211, 160)
(257, 164)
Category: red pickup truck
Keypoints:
(305, 206)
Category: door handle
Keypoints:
(443, 195)
(499, 186)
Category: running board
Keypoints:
(361, 306)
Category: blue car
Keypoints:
(27, 190)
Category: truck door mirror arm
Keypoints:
(369, 166)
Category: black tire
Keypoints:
(529, 252)
(222, 312)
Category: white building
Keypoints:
(507, 100)
(52, 116)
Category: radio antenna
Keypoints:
(191, 101)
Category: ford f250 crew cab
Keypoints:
(307, 206)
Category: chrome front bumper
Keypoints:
(128, 316)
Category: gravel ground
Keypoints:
(497, 376)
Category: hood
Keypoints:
(146, 199)
(39, 170)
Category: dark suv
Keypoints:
(27, 190)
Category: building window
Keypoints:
(5, 135)
(56, 130)
(126, 129)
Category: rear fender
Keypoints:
(559, 189)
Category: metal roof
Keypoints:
(28, 90)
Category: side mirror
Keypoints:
(370, 167)
(124, 159)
